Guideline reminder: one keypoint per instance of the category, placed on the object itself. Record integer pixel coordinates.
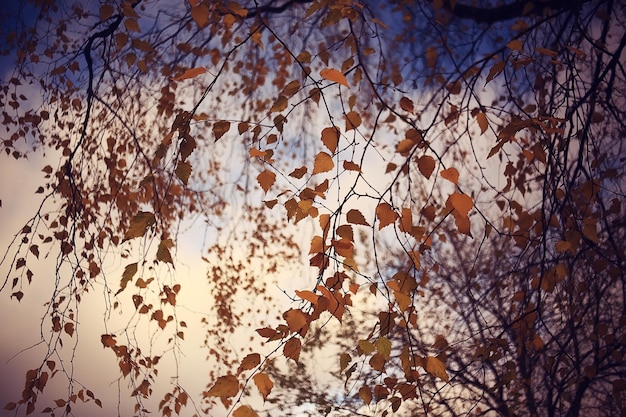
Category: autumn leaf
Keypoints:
(436, 367)
(353, 120)
(335, 76)
(354, 216)
(307, 295)
(279, 105)
(108, 340)
(292, 348)
(483, 123)
(462, 203)
(386, 215)
(190, 73)
(244, 411)
(383, 346)
(139, 225)
(266, 179)
(495, 70)
(406, 104)
(220, 128)
(351, 166)
(450, 174)
(69, 328)
(426, 165)
(365, 393)
(251, 361)
(129, 273)
(323, 163)
(225, 387)
(183, 171)
(263, 383)
(200, 15)
(298, 172)
(106, 11)
(296, 319)
(163, 251)
(330, 138)
(516, 45)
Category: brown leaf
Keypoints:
(69, 328)
(163, 251)
(106, 11)
(183, 171)
(462, 203)
(296, 319)
(386, 215)
(225, 387)
(263, 383)
(139, 225)
(280, 104)
(365, 393)
(354, 216)
(335, 76)
(436, 367)
(330, 138)
(353, 120)
(298, 172)
(483, 123)
(323, 163)
(351, 166)
(200, 15)
(129, 272)
(426, 165)
(292, 349)
(249, 362)
(220, 128)
(496, 69)
(406, 104)
(266, 179)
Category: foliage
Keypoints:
(446, 177)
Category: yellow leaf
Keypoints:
(353, 120)
(426, 165)
(335, 76)
(436, 367)
(386, 215)
(482, 122)
(354, 216)
(323, 163)
(383, 346)
(462, 203)
(450, 174)
(264, 384)
(266, 179)
(225, 387)
(190, 73)
(330, 138)
(139, 225)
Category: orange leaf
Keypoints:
(292, 349)
(264, 384)
(190, 73)
(462, 203)
(307, 295)
(266, 179)
(386, 215)
(249, 362)
(330, 138)
(106, 11)
(335, 76)
(435, 367)
(406, 104)
(404, 146)
(516, 45)
(353, 120)
(497, 68)
(450, 174)
(254, 152)
(225, 387)
(354, 216)
(426, 165)
(244, 411)
(323, 163)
